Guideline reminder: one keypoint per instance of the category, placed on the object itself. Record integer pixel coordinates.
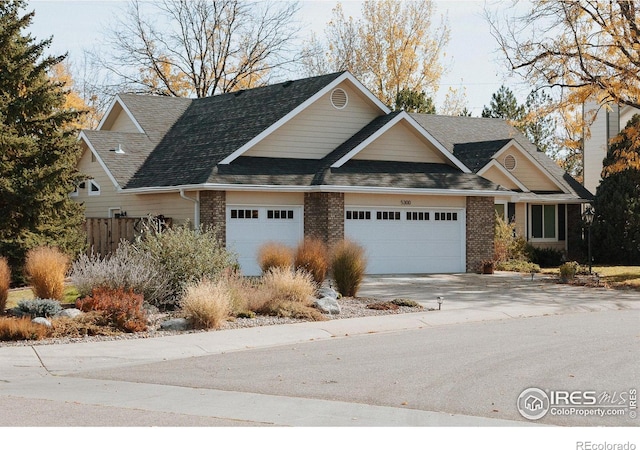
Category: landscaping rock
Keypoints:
(328, 292)
(71, 313)
(178, 324)
(42, 321)
(327, 305)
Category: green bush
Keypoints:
(517, 265)
(128, 268)
(37, 308)
(507, 244)
(187, 256)
(544, 257)
(348, 266)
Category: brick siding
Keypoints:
(324, 216)
(213, 210)
(480, 231)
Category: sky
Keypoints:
(471, 55)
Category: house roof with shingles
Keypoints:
(212, 128)
(472, 139)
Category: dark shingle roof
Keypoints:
(476, 155)
(213, 128)
(475, 135)
(313, 172)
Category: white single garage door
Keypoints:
(249, 227)
(409, 240)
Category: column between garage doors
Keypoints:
(324, 216)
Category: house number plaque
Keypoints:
(405, 202)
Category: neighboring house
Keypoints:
(607, 122)
(323, 157)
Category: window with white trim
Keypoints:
(280, 214)
(544, 222)
(94, 188)
(415, 215)
(388, 215)
(244, 214)
(446, 216)
(358, 215)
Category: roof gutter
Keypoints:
(196, 206)
(291, 188)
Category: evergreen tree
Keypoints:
(38, 149)
(616, 228)
(504, 105)
(414, 102)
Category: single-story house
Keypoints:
(324, 157)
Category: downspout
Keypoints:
(196, 207)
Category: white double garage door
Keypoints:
(396, 240)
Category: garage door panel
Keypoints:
(413, 242)
(248, 230)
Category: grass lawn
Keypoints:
(15, 295)
(613, 276)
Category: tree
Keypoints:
(616, 229)
(38, 149)
(588, 48)
(414, 102)
(504, 105)
(395, 46)
(201, 47)
(61, 74)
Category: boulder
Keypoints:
(327, 305)
(177, 324)
(71, 313)
(42, 321)
(328, 292)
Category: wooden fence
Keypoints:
(104, 235)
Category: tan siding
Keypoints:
(401, 143)
(264, 198)
(319, 129)
(119, 120)
(595, 149)
(417, 201)
(135, 205)
(528, 173)
(496, 176)
(521, 219)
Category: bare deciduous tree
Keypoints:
(590, 48)
(201, 47)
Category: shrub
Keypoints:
(568, 271)
(507, 244)
(128, 268)
(287, 293)
(46, 268)
(207, 304)
(5, 283)
(515, 265)
(19, 329)
(187, 256)
(273, 255)
(348, 265)
(312, 256)
(87, 324)
(544, 257)
(383, 306)
(122, 309)
(406, 302)
(37, 308)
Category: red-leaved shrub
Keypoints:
(123, 309)
(312, 257)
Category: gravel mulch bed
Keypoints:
(350, 308)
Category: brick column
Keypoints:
(324, 216)
(213, 212)
(480, 231)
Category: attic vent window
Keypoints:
(339, 98)
(510, 162)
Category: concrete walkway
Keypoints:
(38, 382)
